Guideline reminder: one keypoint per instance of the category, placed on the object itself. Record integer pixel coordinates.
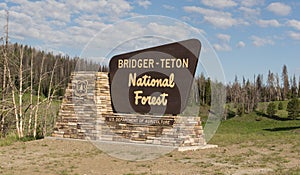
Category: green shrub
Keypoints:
(293, 108)
(280, 106)
(271, 109)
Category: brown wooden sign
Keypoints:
(155, 80)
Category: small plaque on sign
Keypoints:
(80, 88)
(155, 80)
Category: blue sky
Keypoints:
(249, 36)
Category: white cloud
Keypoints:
(195, 9)
(144, 3)
(241, 44)
(222, 47)
(90, 21)
(294, 35)
(132, 35)
(223, 44)
(43, 10)
(113, 8)
(224, 37)
(173, 31)
(219, 3)
(294, 23)
(55, 24)
(258, 41)
(216, 18)
(251, 3)
(279, 8)
(268, 23)
(220, 22)
(250, 12)
(168, 7)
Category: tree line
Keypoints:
(245, 95)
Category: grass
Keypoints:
(266, 134)
(51, 115)
(247, 128)
(12, 138)
(9, 140)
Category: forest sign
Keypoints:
(155, 80)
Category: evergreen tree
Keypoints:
(280, 106)
(271, 109)
(293, 108)
(294, 87)
(208, 92)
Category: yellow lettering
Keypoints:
(162, 63)
(132, 79)
(171, 80)
(150, 100)
(172, 62)
(133, 63)
(126, 64)
(137, 97)
(120, 63)
(140, 63)
(185, 63)
(167, 63)
(151, 63)
(147, 81)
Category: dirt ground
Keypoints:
(64, 157)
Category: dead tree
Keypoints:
(38, 98)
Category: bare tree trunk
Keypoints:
(13, 97)
(3, 115)
(31, 94)
(49, 99)
(38, 97)
(21, 92)
(11, 84)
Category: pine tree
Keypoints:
(293, 108)
(280, 106)
(208, 92)
(294, 87)
(271, 109)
